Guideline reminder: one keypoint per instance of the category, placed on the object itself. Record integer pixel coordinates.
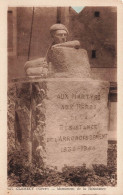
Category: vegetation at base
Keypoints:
(22, 173)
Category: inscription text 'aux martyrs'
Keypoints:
(76, 127)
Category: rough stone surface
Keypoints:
(70, 62)
(63, 121)
(76, 122)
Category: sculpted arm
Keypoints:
(37, 67)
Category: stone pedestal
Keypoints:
(64, 121)
(76, 122)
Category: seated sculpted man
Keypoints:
(41, 66)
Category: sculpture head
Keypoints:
(59, 33)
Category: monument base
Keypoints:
(65, 120)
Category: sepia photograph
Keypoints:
(62, 96)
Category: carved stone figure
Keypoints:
(40, 66)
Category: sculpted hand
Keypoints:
(38, 67)
(45, 64)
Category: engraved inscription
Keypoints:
(78, 96)
(77, 148)
(97, 136)
(78, 106)
(78, 127)
(86, 96)
(76, 123)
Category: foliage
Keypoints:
(102, 170)
(27, 173)
(77, 176)
(22, 173)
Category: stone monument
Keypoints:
(63, 119)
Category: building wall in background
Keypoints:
(96, 29)
(40, 41)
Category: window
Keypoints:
(93, 54)
(9, 12)
(97, 14)
(11, 18)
